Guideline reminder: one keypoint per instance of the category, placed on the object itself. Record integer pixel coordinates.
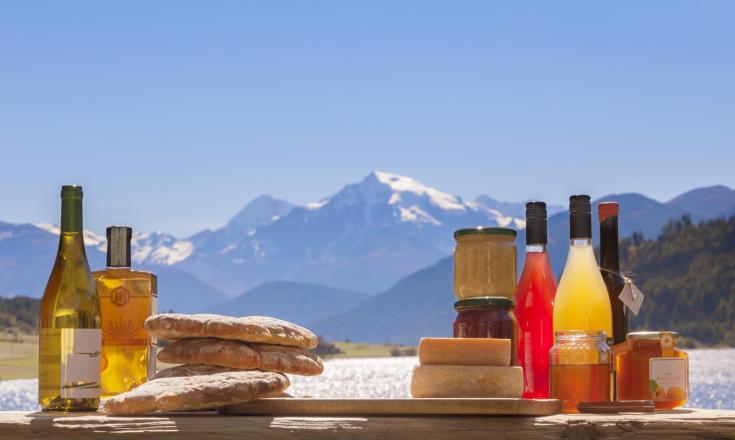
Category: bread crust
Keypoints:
(196, 392)
(261, 329)
(242, 356)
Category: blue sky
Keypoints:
(174, 114)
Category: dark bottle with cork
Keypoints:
(607, 213)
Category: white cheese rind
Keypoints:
(466, 381)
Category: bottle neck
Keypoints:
(535, 248)
(609, 253)
(71, 215)
(580, 225)
(580, 242)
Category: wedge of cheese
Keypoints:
(464, 351)
(466, 381)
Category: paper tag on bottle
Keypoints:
(631, 296)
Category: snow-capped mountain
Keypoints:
(368, 234)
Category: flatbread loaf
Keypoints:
(192, 370)
(196, 392)
(242, 356)
(249, 329)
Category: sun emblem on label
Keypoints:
(120, 296)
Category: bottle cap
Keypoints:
(71, 192)
(536, 223)
(118, 246)
(580, 216)
(606, 210)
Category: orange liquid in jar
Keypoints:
(580, 383)
(633, 379)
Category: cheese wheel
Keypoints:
(464, 351)
(466, 381)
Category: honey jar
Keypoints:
(650, 367)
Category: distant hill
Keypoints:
(301, 303)
(183, 293)
(706, 203)
(419, 305)
(688, 277)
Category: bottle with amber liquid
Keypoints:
(607, 213)
(127, 298)
(69, 320)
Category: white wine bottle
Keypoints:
(70, 338)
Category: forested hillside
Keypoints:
(19, 314)
(688, 277)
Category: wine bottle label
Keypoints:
(49, 353)
(80, 363)
(668, 378)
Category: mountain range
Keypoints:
(366, 242)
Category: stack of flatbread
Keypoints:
(224, 361)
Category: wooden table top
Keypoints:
(683, 423)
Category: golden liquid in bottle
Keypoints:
(69, 321)
(127, 298)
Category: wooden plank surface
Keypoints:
(719, 424)
(396, 407)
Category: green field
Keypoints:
(18, 356)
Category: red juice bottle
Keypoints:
(534, 306)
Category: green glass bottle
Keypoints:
(69, 343)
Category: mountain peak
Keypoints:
(404, 184)
(261, 210)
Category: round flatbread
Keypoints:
(260, 329)
(192, 370)
(242, 356)
(197, 392)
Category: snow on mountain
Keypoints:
(369, 233)
(159, 248)
(91, 239)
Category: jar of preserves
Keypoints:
(484, 262)
(487, 317)
(580, 368)
(650, 367)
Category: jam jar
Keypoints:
(650, 367)
(484, 262)
(487, 317)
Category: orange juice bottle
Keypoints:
(582, 301)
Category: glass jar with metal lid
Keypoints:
(579, 368)
(650, 367)
(484, 262)
(487, 317)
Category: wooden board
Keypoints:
(683, 423)
(396, 407)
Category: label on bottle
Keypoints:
(631, 296)
(80, 363)
(49, 365)
(123, 311)
(668, 378)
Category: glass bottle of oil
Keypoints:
(127, 298)
(69, 320)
